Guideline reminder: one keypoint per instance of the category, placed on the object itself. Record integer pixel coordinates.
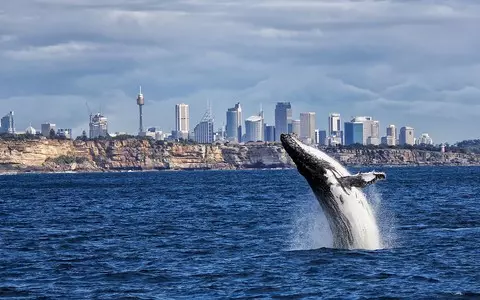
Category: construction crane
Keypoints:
(89, 111)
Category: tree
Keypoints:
(52, 133)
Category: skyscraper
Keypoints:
(203, 133)
(182, 121)
(98, 126)
(234, 123)
(407, 136)
(353, 132)
(335, 133)
(254, 129)
(391, 137)
(371, 130)
(283, 118)
(307, 127)
(322, 138)
(295, 127)
(374, 138)
(269, 134)
(7, 124)
(334, 124)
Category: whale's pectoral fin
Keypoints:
(362, 179)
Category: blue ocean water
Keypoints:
(233, 234)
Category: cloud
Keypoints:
(404, 62)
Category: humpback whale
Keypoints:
(349, 215)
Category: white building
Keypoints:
(254, 129)
(307, 127)
(407, 136)
(98, 126)
(424, 139)
(374, 138)
(335, 133)
(182, 121)
(334, 124)
(30, 130)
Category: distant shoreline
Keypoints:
(134, 155)
(37, 172)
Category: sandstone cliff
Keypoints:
(132, 154)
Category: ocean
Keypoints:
(234, 235)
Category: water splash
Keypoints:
(385, 218)
(310, 228)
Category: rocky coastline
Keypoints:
(147, 155)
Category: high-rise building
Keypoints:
(254, 129)
(307, 126)
(234, 123)
(47, 127)
(283, 119)
(374, 138)
(182, 121)
(269, 133)
(322, 138)
(391, 137)
(203, 133)
(335, 133)
(295, 127)
(367, 127)
(354, 133)
(98, 126)
(334, 124)
(7, 124)
(371, 130)
(140, 103)
(407, 136)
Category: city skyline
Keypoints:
(402, 62)
(305, 127)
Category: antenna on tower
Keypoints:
(89, 111)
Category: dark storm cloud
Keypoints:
(401, 61)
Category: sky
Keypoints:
(408, 63)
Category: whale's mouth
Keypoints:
(306, 161)
(290, 143)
